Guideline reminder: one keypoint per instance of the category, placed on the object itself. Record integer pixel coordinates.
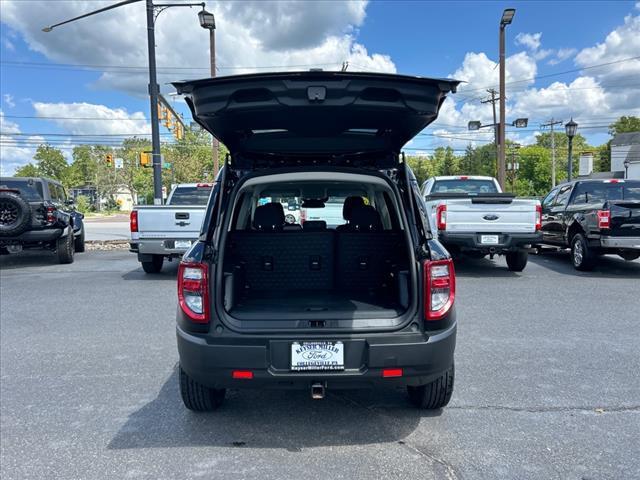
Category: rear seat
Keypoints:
(366, 254)
(273, 259)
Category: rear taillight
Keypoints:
(133, 221)
(193, 292)
(51, 214)
(538, 217)
(303, 216)
(604, 218)
(441, 216)
(440, 288)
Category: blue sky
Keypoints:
(40, 74)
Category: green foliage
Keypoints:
(625, 125)
(83, 205)
(28, 170)
(51, 163)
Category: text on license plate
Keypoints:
(183, 243)
(317, 356)
(489, 239)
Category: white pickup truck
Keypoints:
(471, 215)
(167, 231)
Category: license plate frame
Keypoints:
(182, 244)
(314, 356)
(490, 239)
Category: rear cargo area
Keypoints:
(326, 274)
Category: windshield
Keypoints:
(190, 195)
(464, 186)
(29, 190)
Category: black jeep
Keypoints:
(35, 213)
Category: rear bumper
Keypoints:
(421, 358)
(506, 241)
(165, 246)
(620, 242)
(34, 236)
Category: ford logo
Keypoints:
(317, 355)
(491, 217)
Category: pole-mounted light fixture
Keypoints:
(507, 16)
(570, 128)
(207, 20)
(474, 125)
(520, 122)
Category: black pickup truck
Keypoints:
(593, 217)
(36, 213)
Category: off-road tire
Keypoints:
(15, 214)
(583, 257)
(516, 261)
(78, 243)
(155, 265)
(197, 397)
(65, 248)
(435, 394)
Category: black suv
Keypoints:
(593, 217)
(270, 303)
(35, 213)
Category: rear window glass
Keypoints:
(595, 193)
(191, 195)
(297, 211)
(30, 191)
(464, 186)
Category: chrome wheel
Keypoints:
(578, 252)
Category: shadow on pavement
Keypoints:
(285, 419)
(168, 272)
(607, 266)
(35, 258)
(482, 268)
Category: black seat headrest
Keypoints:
(365, 218)
(314, 225)
(292, 227)
(349, 204)
(269, 217)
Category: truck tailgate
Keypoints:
(625, 218)
(170, 222)
(515, 216)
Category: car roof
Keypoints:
(32, 179)
(466, 177)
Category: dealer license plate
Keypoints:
(183, 243)
(489, 239)
(317, 356)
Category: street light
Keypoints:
(507, 18)
(570, 128)
(626, 164)
(520, 123)
(208, 22)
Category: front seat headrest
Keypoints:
(269, 217)
(349, 204)
(365, 218)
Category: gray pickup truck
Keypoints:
(167, 231)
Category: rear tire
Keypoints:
(79, 242)
(435, 394)
(65, 249)
(516, 261)
(583, 257)
(197, 397)
(155, 265)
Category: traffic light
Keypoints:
(179, 131)
(109, 159)
(146, 159)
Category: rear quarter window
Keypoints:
(30, 191)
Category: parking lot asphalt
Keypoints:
(547, 384)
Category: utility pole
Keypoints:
(153, 10)
(550, 124)
(496, 138)
(507, 18)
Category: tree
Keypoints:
(82, 170)
(624, 125)
(28, 170)
(51, 163)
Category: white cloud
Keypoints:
(561, 55)
(92, 119)
(15, 151)
(530, 40)
(278, 35)
(8, 99)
